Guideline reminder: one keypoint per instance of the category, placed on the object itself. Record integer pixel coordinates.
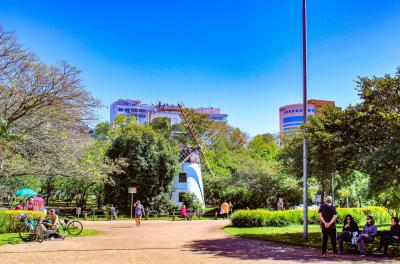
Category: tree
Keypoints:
(264, 147)
(363, 138)
(35, 97)
(151, 165)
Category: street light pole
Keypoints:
(305, 185)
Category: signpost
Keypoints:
(132, 190)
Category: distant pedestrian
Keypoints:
(327, 215)
(230, 208)
(225, 209)
(139, 212)
(183, 213)
(30, 205)
(113, 212)
(279, 205)
(20, 206)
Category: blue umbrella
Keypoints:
(26, 192)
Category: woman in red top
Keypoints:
(20, 206)
(30, 205)
(184, 212)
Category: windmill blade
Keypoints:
(196, 138)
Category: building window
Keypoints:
(181, 197)
(182, 177)
(297, 110)
(142, 111)
(120, 109)
(135, 110)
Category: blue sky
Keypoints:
(241, 56)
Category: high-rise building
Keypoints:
(291, 116)
(131, 108)
(145, 113)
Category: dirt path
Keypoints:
(160, 242)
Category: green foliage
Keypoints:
(266, 218)
(191, 201)
(162, 125)
(151, 163)
(160, 205)
(263, 147)
(363, 138)
(248, 175)
(9, 221)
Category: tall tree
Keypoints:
(151, 165)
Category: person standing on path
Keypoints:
(327, 215)
(279, 205)
(225, 209)
(139, 212)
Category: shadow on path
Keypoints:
(248, 249)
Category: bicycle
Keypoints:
(73, 227)
(30, 230)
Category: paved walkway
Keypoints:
(162, 242)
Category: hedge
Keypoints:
(9, 221)
(265, 218)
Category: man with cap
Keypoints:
(327, 215)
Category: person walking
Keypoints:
(139, 212)
(184, 213)
(367, 235)
(327, 215)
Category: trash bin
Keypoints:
(85, 215)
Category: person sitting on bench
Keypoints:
(349, 228)
(392, 236)
(368, 234)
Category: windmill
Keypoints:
(200, 146)
(190, 176)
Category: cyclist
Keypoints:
(50, 233)
(52, 221)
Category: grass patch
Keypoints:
(13, 238)
(9, 238)
(291, 235)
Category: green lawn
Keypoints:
(13, 238)
(292, 235)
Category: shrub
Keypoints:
(265, 218)
(9, 222)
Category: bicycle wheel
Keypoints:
(74, 228)
(26, 233)
(39, 234)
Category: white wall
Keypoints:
(193, 184)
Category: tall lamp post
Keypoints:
(305, 205)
